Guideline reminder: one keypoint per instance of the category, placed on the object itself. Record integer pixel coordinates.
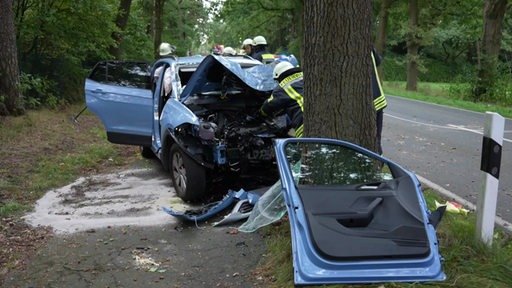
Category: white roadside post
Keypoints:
(490, 165)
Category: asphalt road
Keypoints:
(442, 146)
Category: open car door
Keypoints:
(119, 93)
(355, 217)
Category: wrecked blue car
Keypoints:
(355, 217)
(203, 132)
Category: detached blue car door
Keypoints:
(355, 217)
(119, 93)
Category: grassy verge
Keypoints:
(46, 149)
(439, 93)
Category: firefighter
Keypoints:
(229, 51)
(287, 97)
(260, 50)
(247, 47)
(379, 99)
(166, 50)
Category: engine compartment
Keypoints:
(232, 132)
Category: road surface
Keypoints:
(443, 146)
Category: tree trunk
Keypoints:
(413, 45)
(11, 99)
(337, 71)
(381, 35)
(121, 21)
(158, 26)
(494, 12)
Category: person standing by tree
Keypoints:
(260, 50)
(379, 99)
(287, 98)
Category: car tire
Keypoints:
(188, 176)
(146, 152)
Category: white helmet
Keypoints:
(247, 41)
(165, 49)
(229, 51)
(260, 40)
(281, 67)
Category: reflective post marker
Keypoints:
(490, 165)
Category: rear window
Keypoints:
(126, 74)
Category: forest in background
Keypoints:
(58, 41)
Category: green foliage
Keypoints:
(58, 41)
(280, 22)
(55, 38)
(500, 89)
(444, 94)
(137, 41)
(184, 25)
(393, 68)
(38, 90)
(10, 208)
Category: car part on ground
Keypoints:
(355, 217)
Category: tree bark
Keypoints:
(337, 71)
(11, 99)
(494, 13)
(123, 14)
(413, 45)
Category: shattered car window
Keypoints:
(328, 164)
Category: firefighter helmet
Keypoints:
(281, 67)
(260, 40)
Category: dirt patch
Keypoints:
(106, 229)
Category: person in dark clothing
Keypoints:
(287, 98)
(379, 99)
(259, 50)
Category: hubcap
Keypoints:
(179, 172)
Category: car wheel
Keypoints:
(146, 152)
(188, 177)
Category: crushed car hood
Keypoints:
(247, 72)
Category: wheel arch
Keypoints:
(189, 147)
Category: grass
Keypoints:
(468, 263)
(45, 149)
(439, 93)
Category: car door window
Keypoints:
(122, 73)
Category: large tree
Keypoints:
(337, 71)
(123, 14)
(381, 30)
(10, 93)
(413, 45)
(494, 13)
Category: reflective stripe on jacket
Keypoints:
(287, 98)
(379, 99)
(267, 58)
